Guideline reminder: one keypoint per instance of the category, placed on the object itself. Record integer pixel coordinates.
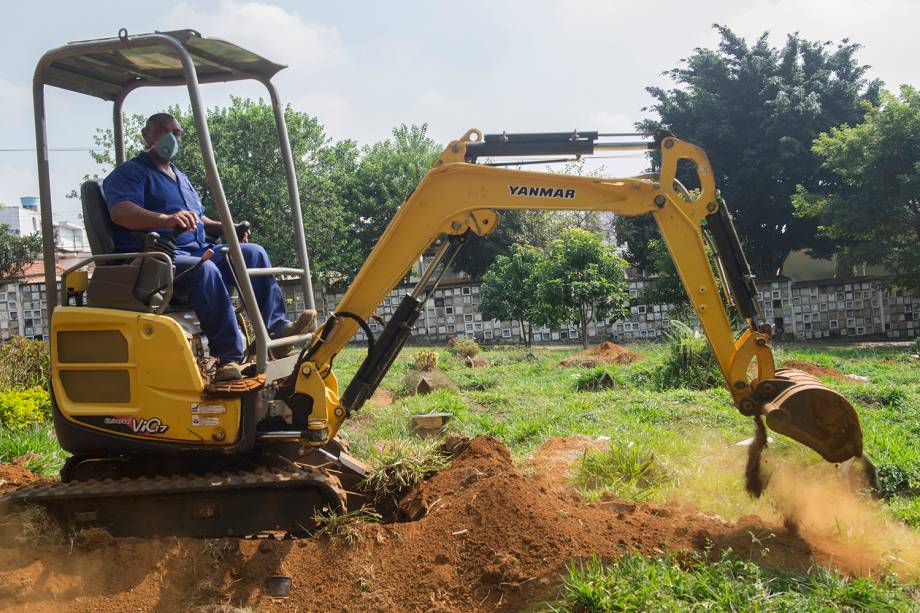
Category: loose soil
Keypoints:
(605, 353)
(494, 538)
(13, 476)
(814, 369)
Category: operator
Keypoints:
(147, 194)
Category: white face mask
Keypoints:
(167, 146)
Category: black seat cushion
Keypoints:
(96, 218)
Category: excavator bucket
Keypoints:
(799, 406)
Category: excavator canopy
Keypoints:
(112, 73)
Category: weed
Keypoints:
(463, 346)
(33, 526)
(346, 526)
(399, 466)
(689, 362)
(24, 363)
(426, 360)
(36, 442)
(669, 583)
(627, 468)
(23, 407)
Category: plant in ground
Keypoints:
(398, 466)
(627, 468)
(426, 360)
(463, 346)
(690, 362)
(691, 583)
(38, 446)
(24, 363)
(20, 408)
(344, 526)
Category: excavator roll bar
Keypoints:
(112, 68)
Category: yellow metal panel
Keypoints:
(166, 386)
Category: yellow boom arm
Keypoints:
(456, 197)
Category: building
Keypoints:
(24, 219)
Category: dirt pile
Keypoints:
(605, 353)
(493, 539)
(814, 370)
(13, 476)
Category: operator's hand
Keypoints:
(243, 230)
(182, 219)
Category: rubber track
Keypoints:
(176, 484)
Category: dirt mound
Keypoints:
(814, 369)
(493, 539)
(13, 476)
(430, 381)
(605, 353)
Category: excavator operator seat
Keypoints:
(96, 217)
(117, 284)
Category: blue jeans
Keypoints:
(207, 291)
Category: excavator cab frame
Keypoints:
(112, 68)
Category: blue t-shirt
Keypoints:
(141, 182)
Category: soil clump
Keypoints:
(814, 370)
(604, 353)
(13, 476)
(493, 538)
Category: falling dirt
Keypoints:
(494, 538)
(605, 353)
(814, 369)
(13, 476)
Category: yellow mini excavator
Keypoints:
(158, 448)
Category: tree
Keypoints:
(17, 252)
(511, 289)
(755, 110)
(383, 178)
(582, 280)
(870, 207)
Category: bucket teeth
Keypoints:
(806, 410)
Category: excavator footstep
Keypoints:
(807, 411)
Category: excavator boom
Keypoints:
(459, 196)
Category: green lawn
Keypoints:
(664, 444)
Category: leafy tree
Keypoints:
(755, 110)
(870, 206)
(383, 177)
(17, 252)
(527, 227)
(582, 280)
(511, 289)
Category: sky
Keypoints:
(365, 67)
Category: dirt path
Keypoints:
(495, 538)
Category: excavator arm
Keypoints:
(459, 196)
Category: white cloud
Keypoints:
(279, 35)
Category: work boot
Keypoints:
(303, 324)
(228, 371)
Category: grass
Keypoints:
(37, 443)
(689, 430)
(691, 583)
(398, 466)
(346, 527)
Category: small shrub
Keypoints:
(24, 363)
(20, 408)
(463, 346)
(399, 466)
(628, 468)
(690, 362)
(345, 526)
(37, 444)
(426, 360)
(594, 380)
